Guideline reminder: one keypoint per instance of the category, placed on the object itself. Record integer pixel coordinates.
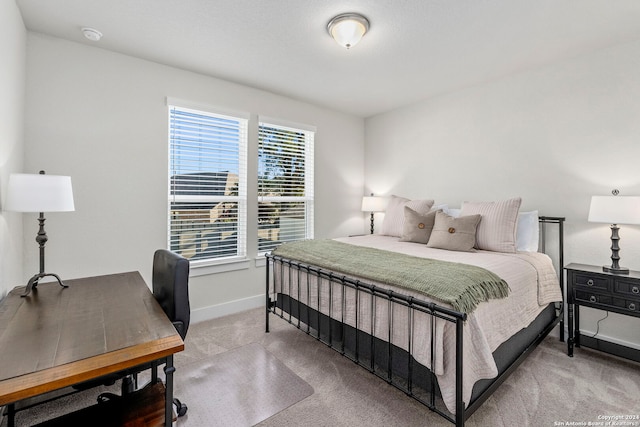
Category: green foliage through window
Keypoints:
(285, 185)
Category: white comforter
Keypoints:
(532, 281)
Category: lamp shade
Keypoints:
(347, 29)
(373, 204)
(39, 193)
(615, 209)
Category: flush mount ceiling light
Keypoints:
(92, 34)
(348, 28)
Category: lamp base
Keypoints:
(371, 222)
(615, 270)
(33, 282)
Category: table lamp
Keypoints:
(39, 193)
(373, 204)
(615, 210)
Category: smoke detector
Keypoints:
(92, 34)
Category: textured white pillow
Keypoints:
(528, 232)
(394, 215)
(497, 229)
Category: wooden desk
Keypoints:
(57, 337)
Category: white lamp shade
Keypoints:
(348, 29)
(615, 209)
(373, 204)
(39, 193)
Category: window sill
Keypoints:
(203, 268)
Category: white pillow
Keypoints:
(497, 228)
(528, 232)
(453, 212)
(393, 222)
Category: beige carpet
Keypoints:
(548, 389)
(239, 387)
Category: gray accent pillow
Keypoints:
(417, 226)
(454, 234)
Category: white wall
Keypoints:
(101, 118)
(12, 86)
(554, 136)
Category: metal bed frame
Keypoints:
(382, 358)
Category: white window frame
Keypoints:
(238, 260)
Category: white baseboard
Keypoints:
(231, 307)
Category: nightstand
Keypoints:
(589, 286)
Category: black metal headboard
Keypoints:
(543, 221)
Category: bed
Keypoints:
(382, 300)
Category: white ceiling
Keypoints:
(415, 49)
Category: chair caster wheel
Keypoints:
(106, 397)
(180, 407)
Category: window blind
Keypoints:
(285, 185)
(207, 184)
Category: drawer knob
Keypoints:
(593, 298)
(635, 290)
(590, 282)
(632, 306)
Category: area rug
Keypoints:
(239, 387)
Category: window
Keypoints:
(207, 184)
(285, 184)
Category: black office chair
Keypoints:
(171, 287)
(170, 280)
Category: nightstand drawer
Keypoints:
(592, 281)
(592, 298)
(625, 304)
(629, 288)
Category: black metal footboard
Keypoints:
(365, 350)
(365, 335)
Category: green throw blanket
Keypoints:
(462, 286)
